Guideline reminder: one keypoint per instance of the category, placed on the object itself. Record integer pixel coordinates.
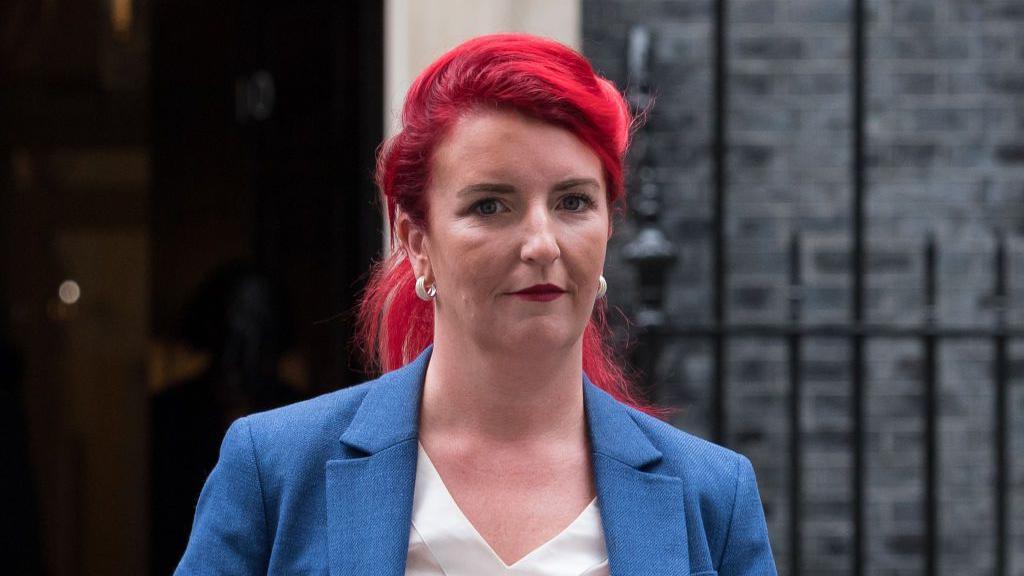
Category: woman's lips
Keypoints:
(538, 296)
(540, 293)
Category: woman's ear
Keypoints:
(413, 240)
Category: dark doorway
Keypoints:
(266, 117)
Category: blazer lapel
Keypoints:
(370, 489)
(642, 513)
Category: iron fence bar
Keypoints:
(859, 392)
(1001, 409)
(931, 502)
(858, 478)
(795, 400)
(718, 292)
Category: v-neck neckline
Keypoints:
(459, 548)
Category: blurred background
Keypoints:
(822, 265)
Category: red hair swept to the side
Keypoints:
(536, 77)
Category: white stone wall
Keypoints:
(418, 31)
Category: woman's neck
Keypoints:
(498, 397)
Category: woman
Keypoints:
(501, 439)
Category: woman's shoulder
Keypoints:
(689, 456)
(720, 489)
(304, 430)
(720, 484)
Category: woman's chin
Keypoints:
(535, 338)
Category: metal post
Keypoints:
(858, 77)
(1001, 408)
(719, 293)
(931, 406)
(795, 342)
(649, 251)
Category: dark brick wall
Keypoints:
(945, 158)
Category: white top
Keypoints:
(442, 541)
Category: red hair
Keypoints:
(536, 77)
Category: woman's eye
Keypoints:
(487, 207)
(576, 202)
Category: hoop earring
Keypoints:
(602, 287)
(424, 293)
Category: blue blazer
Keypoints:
(325, 486)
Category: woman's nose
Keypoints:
(540, 245)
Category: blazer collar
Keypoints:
(612, 430)
(642, 512)
(389, 413)
(369, 495)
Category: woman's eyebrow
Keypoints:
(498, 188)
(574, 182)
(488, 187)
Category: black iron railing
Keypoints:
(652, 254)
(931, 334)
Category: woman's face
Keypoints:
(517, 228)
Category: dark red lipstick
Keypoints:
(540, 293)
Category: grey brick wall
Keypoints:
(945, 154)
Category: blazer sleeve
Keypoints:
(229, 533)
(747, 551)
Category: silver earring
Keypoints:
(426, 294)
(602, 287)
